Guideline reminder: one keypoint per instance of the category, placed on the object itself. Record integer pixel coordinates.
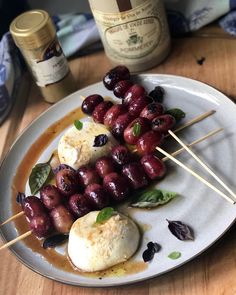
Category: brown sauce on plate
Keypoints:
(19, 182)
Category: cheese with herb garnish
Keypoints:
(76, 147)
(97, 246)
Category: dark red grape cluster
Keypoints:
(76, 193)
(139, 120)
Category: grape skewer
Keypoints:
(164, 159)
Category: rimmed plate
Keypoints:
(207, 213)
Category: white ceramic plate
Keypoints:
(207, 213)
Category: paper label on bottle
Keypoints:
(134, 33)
(52, 67)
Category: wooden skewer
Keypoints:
(194, 120)
(12, 218)
(204, 165)
(21, 237)
(194, 142)
(196, 175)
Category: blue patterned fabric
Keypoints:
(228, 23)
(78, 35)
(185, 16)
(10, 70)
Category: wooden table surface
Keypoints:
(213, 272)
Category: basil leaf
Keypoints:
(178, 114)
(100, 140)
(157, 94)
(78, 124)
(153, 198)
(39, 175)
(180, 230)
(174, 255)
(152, 248)
(136, 129)
(104, 214)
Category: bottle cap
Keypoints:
(32, 29)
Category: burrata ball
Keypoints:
(97, 246)
(76, 147)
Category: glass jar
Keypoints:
(134, 32)
(35, 35)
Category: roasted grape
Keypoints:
(61, 167)
(120, 124)
(104, 166)
(115, 75)
(100, 111)
(152, 110)
(88, 175)
(79, 205)
(113, 113)
(41, 225)
(134, 92)
(97, 196)
(91, 102)
(148, 142)
(121, 155)
(135, 175)
(50, 196)
(117, 186)
(136, 105)
(163, 123)
(33, 206)
(136, 129)
(67, 182)
(121, 88)
(62, 219)
(153, 166)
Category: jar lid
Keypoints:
(32, 29)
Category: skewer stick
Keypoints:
(196, 175)
(193, 121)
(204, 165)
(12, 218)
(21, 237)
(194, 142)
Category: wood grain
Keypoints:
(213, 272)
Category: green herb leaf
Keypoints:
(178, 114)
(153, 198)
(78, 124)
(39, 175)
(174, 255)
(104, 214)
(136, 129)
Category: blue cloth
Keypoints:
(79, 35)
(10, 71)
(228, 23)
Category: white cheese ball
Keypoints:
(94, 247)
(76, 148)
